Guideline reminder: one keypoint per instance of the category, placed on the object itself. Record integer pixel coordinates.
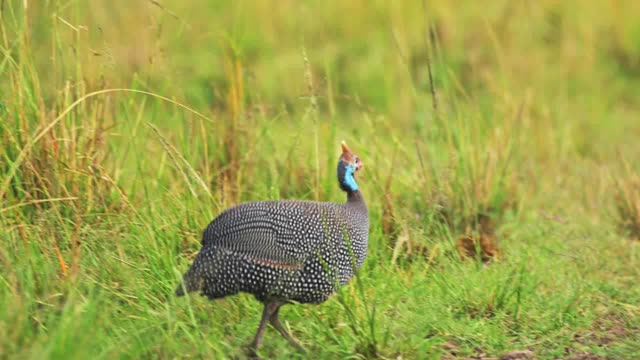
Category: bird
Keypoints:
(284, 251)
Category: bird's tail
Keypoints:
(191, 281)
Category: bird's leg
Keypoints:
(267, 313)
(275, 322)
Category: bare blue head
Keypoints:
(347, 167)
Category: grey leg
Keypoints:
(269, 309)
(275, 322)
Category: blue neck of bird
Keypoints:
(349, 180)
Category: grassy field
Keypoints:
(126, 126)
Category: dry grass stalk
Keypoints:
(313, 109)
(389, 224)
(63, 265)
(235, 106)
(410, 249)
(627, 203)
(389, 221)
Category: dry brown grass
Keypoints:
(627, 200)
(481, 243)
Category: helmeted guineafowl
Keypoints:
(284, 251)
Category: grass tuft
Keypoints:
(627, 202)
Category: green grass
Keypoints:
(525, 111)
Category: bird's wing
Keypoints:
(282, 233)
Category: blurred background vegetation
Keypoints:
(502, 131)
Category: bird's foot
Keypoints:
(252, 352)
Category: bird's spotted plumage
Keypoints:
(294, 250)
(283, 251)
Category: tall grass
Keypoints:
(126, 128)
